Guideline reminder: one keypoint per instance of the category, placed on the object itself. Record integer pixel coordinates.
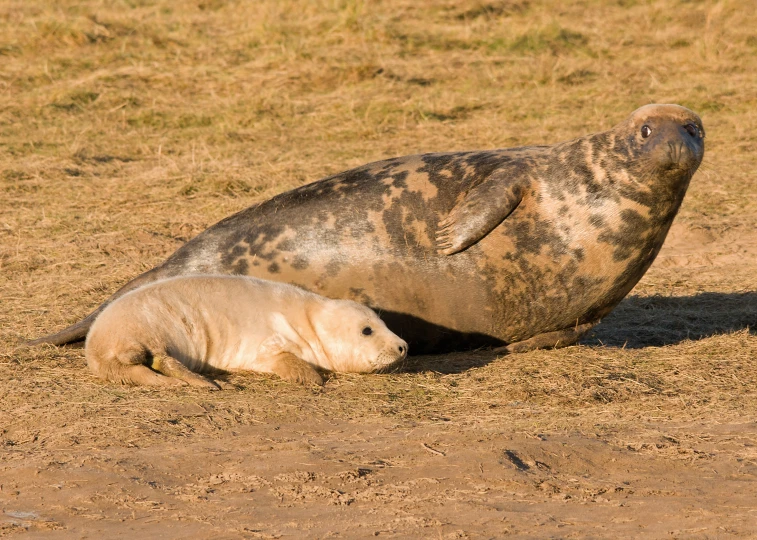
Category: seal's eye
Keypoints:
(646, 131)
(367, 331)
(692, 130)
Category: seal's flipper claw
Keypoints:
(483, 208)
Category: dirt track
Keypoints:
(383, 478)
(127, 129)
(645, 440)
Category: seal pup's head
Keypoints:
(354, 338)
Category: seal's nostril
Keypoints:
(402, 349)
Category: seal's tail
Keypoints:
(73, 334)
(78, 332)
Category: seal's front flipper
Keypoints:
(549, 340)
(170, 367)
(483, 208)
(290, 368)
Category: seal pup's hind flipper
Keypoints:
(171, 367)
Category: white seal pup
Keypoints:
(184, 325)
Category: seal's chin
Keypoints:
(389, 362)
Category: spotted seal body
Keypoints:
(520, 247)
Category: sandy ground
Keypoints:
(382, 478)
(267, 460)
(127, 128)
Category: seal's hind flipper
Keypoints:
(478, 213)
(170, 367)
(74, 334)
(141, 375)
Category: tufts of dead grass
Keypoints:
(588, 389)
(127, 128)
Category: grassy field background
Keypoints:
(128, 127)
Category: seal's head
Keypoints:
(355, 339)
(664, 140)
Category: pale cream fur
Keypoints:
(181, 326)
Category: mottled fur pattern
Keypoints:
(459, 250)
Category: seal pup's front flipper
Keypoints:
(279, 355)
(289, 367)
(479, 212)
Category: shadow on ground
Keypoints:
(654, 321)
(638, 322)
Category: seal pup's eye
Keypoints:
(367, 331)
(646, 131)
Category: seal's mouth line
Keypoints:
(679, 161)
(680, 168)
(381, 366)
(391, 368)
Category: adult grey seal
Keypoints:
(521, 248)
(185, 325)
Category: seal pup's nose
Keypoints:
(403, 350)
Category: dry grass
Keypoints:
(128, 127)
